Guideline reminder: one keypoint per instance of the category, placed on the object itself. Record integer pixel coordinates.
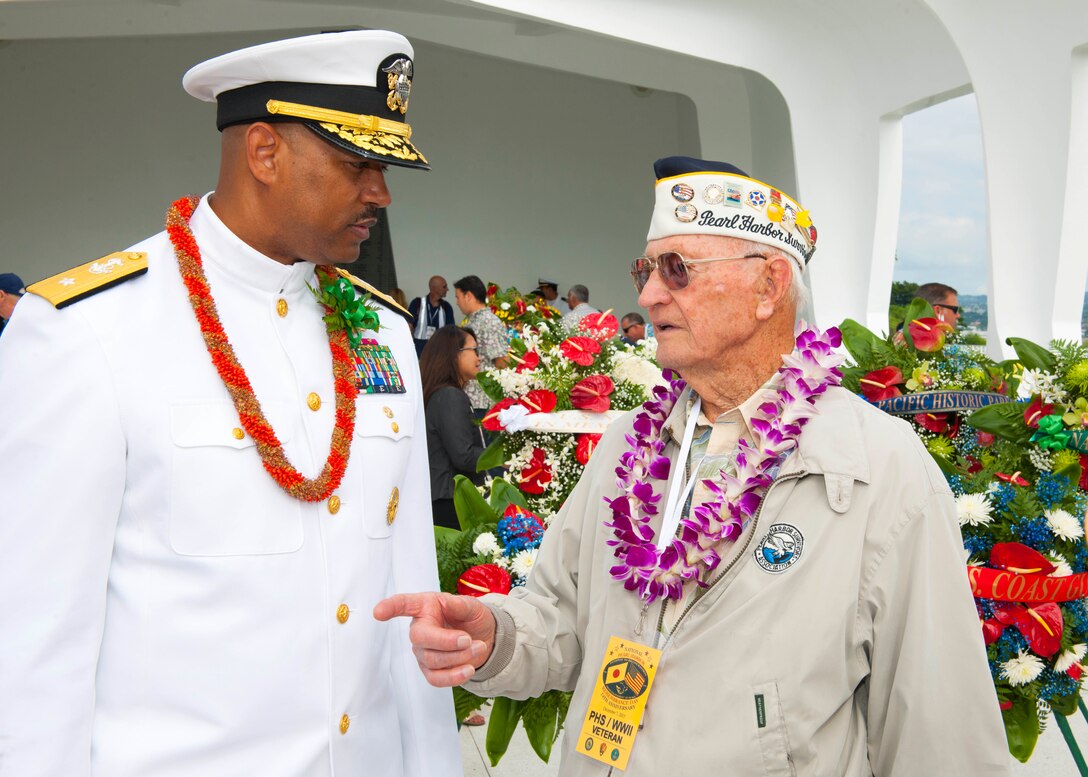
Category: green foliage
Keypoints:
(895, 317)
(1021, 728)
(972, 338)
(1005, 420)
(471, 508)
(504, 494)
(490, 386)
(505, 714)
(902, 293)
(494, 455)
(455, 554)
(543, 720)
(465, 703)
(1031, 355)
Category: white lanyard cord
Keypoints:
(678, 488)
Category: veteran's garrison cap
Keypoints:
(352, 88)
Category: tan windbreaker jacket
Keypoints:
(867, 651)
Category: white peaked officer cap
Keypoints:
(351, 88)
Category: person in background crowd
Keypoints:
(944, 299)
(549, 290)
(454, 440)
(11, 290)
(633, 327)
(241, 481)
(398, 296)
(578, 300)
(491, 338)
(431, 312)
(805, 611)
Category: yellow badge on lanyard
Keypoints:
(615, 708)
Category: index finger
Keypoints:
(401, 605)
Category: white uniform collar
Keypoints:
(231, 255)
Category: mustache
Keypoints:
(370, 214)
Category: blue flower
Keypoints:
(1002, 495)
(1050, 489)
(1034, 532)
(978, 545)
(519, 531)
(1056, 684)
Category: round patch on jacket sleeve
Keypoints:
(780, 548)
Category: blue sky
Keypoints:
(942, 221)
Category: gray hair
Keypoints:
(579, 292)
(799, 294)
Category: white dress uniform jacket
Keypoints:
(166, 610)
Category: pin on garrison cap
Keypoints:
(351, 88)
(700, 197)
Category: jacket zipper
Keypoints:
(724, 572)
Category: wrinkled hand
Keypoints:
(451, 636)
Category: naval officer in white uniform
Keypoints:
(178, 596)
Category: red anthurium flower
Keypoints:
(985, 439)
(519, 307)
(484, 579)
(539, 401)
(973, 465)
(1083, 473)
(1005, 705)
(491, 418)
(1020, 559)
(592, 394)
(536, 474)
(586, 444)
(530, 360)
(580, 350)
(882, 384)
(1075, 671)
(938, 423)
(928, 333)
(492, 290)
(991, 630)
(1014, 478)
(1036, 411)
(1041, 625)
(599, 326)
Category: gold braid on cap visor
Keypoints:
(371, 133)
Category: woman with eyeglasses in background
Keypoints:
(454, 441)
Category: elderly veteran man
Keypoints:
(807, 612)
(207, 486)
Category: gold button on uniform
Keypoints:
(396, 427)
(394, 504)
(388, 412)
(238, 433)
(345, 724)
(334, 504)
(342, 613)
(281, 307)
(313, 402)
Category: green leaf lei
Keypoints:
(346, 310)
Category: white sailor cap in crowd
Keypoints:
(699, 197)
(351, 88)
(547, 282)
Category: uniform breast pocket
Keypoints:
(384, 435)
(772, 733)
(223, 502)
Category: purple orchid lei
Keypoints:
(804, 375)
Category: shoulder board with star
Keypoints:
(88, 279)
(361, 284)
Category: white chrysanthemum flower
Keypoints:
(1069, 657)
(486, 544)
(503, 563)
(522, 563)
(505, 306)
(1064, 525)
(1061, 566)
(974, 509)
(634, 369)
(1022, 669)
